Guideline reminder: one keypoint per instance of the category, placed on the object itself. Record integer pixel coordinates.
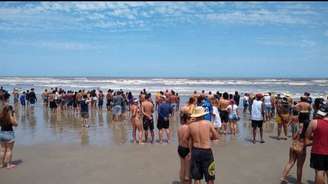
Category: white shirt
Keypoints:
(217, 120)
(232, 109)
(267, 100)
(257, 110)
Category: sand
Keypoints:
(237, 163)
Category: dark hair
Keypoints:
(184, 117)
(5, 115)
(191, 100)
(225, 95)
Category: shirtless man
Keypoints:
(224, 113)
(173, 101)
(147, 109)
(201, 132)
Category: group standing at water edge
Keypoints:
(203, 118)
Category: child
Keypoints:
(184, 149)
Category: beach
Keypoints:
(237, 163)
(53, 148)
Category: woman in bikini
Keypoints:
(135, 120)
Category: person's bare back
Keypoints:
(183, 131)
(147, 109)
(201, 132)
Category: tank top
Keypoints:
(320, 138)
(267, 100)
(257, 110)
(6, 126)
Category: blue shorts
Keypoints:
(268, 108)
(7, 136)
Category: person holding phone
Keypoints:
(7, 136)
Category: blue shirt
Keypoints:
(164, 110)
(208, 108)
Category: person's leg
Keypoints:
(167, 131)
(289, 165)
(152, 135)
(160, 135)
(279, 130)
(254, 135)
(210, 182)
(234, 127)
(285, 129)
(3, 154)
(146, 136)
(140, 134)
(134, 132)
(9, 154)
(319, 177)
(300, 163)
(187, 179)
(182, 170)
(196, 181)
(261, 134)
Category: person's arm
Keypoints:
(309, 131)
(213, 132)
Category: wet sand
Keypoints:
(73, 163)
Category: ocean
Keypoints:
(184, 86)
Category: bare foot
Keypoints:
(11, 166)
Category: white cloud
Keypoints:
(286, 42)
(116, 15)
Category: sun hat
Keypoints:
(199, 111)
(323, 110)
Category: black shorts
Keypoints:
(53, 105)
(319, 162)
(257, 123)
(224, 115)
(85, 115)
(148, 123)
(161, 123)
(202, 164)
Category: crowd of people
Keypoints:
(203, 119)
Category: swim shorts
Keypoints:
(319, 162)
(162, 123)
(224, 116)
(85, 115)
(202, 164)
(257, 123)
(148, 123)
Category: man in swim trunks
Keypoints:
(200, 133)
(147, 109)
(224, 114)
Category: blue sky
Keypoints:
(164, 39)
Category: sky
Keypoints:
(164, 39)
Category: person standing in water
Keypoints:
(257, 116)
(147, 109)
(135, 120)
(85, 110)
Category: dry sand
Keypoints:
(237, 163)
